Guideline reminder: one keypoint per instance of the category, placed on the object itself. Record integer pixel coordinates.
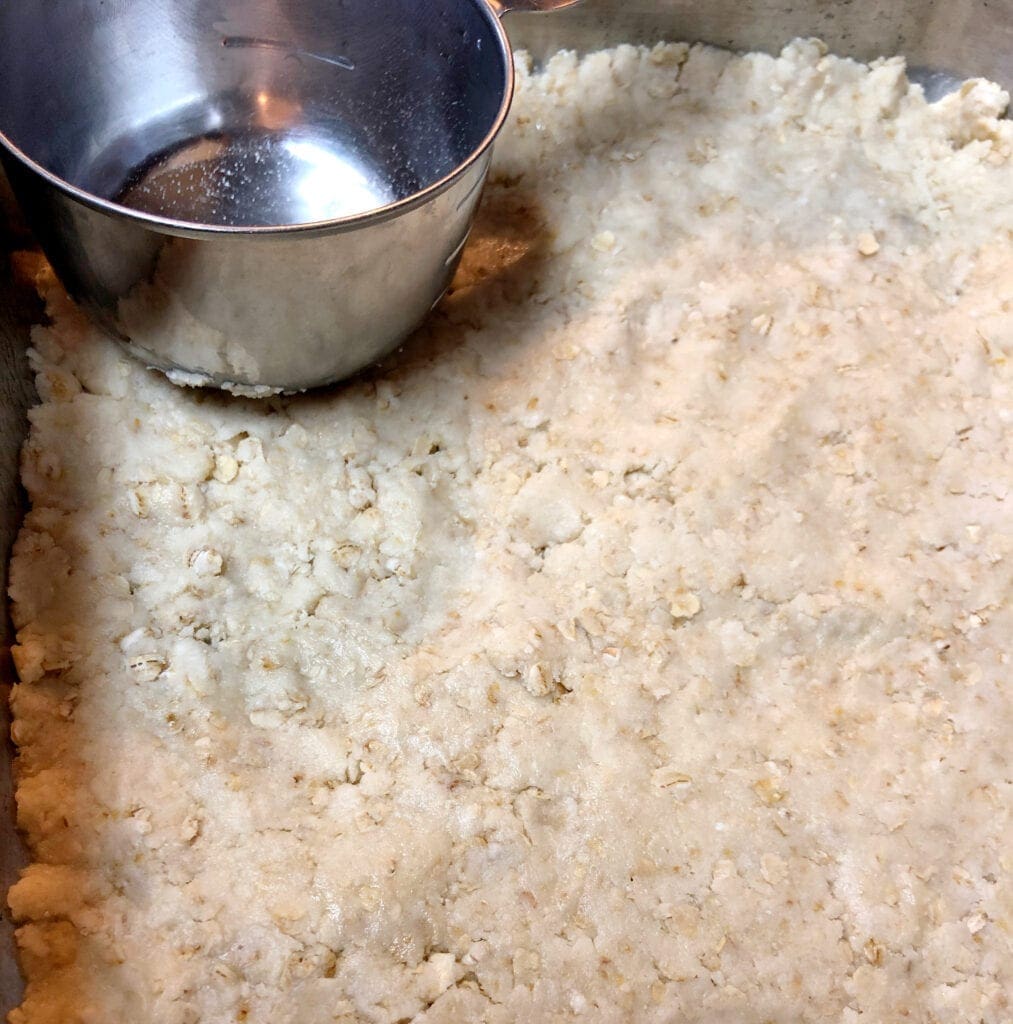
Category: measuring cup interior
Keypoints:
(251, 112)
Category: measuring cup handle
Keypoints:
(503, 7)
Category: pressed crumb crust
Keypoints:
(633, 648)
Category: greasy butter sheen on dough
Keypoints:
(632, 650)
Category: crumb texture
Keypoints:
(632, 648)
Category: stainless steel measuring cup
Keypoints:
(262, 195)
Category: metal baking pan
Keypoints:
(943, 40)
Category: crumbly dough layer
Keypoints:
(633, 649)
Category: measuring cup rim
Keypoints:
(195, 229)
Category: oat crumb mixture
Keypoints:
(632, 649)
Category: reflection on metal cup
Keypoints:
(254, 195)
